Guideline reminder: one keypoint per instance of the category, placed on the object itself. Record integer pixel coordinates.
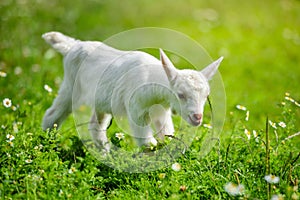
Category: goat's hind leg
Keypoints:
(60, 109)
(97, 127)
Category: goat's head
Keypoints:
(191, 88)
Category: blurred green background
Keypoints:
(260, 41)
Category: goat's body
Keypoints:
(98, 71)
(106, 79)
(130, 83)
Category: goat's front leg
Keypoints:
(164, 125)
(97, 127)
(142, 134)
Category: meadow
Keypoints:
(257, 155)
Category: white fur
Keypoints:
(126, 83)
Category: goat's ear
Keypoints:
(168, 66)
(211, 69)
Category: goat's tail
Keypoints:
(59, 41)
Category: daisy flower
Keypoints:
(10, 137)
(247, 115)
(60, 192)
(282, 124)
(240, 107)
(294, 196)
(254, 133)
(15, 127)
(10, 143)
(120, 136)
(18, 70)
(233, 189)
(273, 124)
(277, 197)
(272, 179)
(161, 175)
(7, 102)
(28, 161)
(176, 167)
(207, 126)
(289, 99)
(3, 74)
(248, 133)
(47, 88)
(71, 170)
(14, 108)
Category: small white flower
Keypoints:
(7, 102)
(161, 175)
(10, 143)
(18, 70)
(248, 133)
(297, 104)
(14, 108)
(273, 124)
(3, 74)
(254, 133)
(35, 68)
(289, 99)
(282, 124)
(295, 196)
(209, 126)
(50, 53)
(287, 94)
(233, 189)
(47, 88)
(272, 179)
(176, 167)
(38, 147)
(120, 136)
(10, 137)
(247, 115)
(60, 192)
(28, 161)
(15, 127)
(240, 107)
(72, 170)
(277, 197)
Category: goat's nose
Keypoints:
(197, 116)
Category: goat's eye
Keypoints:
(181, 96)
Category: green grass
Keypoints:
(260, 41)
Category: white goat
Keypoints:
(126, 83)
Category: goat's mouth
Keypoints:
(194, 122)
